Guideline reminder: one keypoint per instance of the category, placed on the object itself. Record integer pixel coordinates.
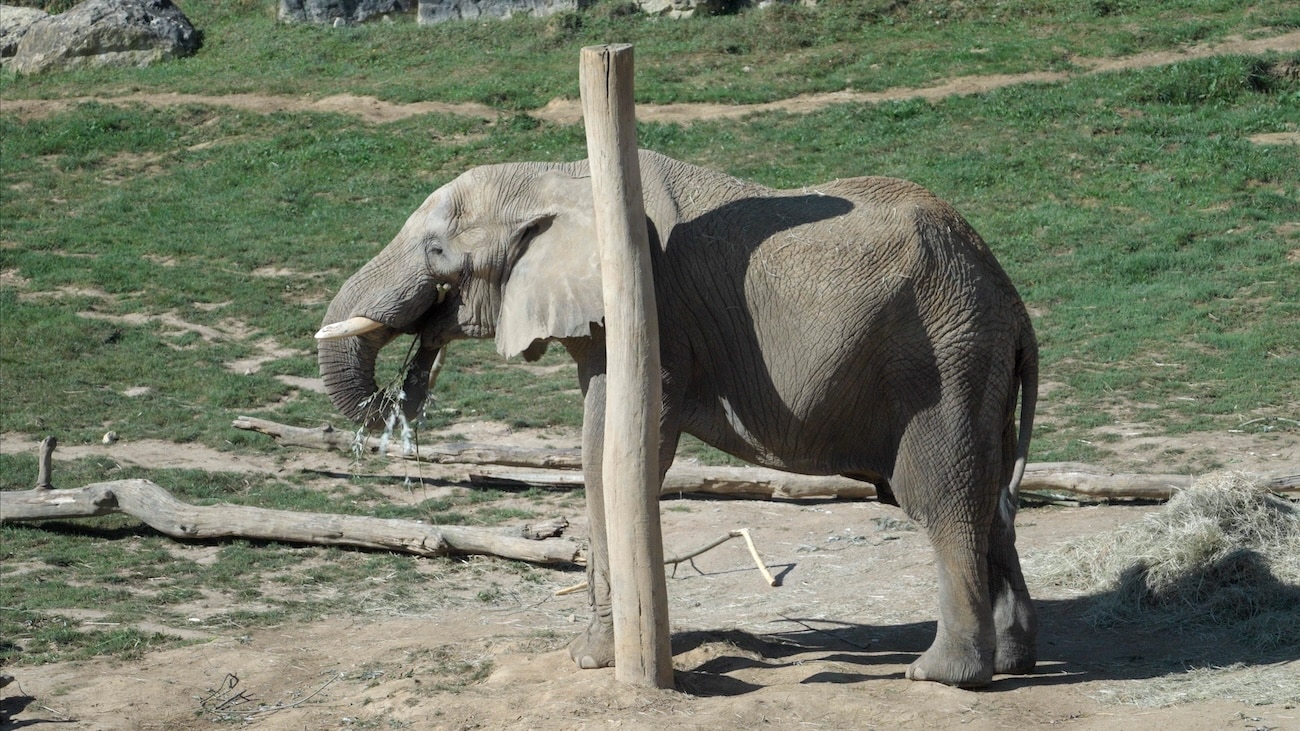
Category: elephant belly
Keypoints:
(769, 435)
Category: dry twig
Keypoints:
(675, 560)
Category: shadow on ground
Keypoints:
(1071, 650)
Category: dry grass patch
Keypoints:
(1220, 562)
(1220, 555)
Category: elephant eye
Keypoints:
(433, 245)
(434, 253)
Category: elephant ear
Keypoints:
(554, 288)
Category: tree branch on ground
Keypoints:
(674, 561)
(559, 468)
(153, 505)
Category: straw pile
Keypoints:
(1219, 563)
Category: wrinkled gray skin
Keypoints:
(859, 327)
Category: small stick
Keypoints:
(571, 589)
(811, 628)
(708, 547)
(1269, 418)
(65, 717)
(738, 533)
(46, 468)
(278, 707)
(753, 551)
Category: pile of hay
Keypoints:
(1220, 560)
(1220, 555)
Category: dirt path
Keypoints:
(569, 111)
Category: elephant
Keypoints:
(859, 327)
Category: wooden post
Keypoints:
(642, 654)
(44, 481)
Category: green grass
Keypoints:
(1153, 238)
(1157, 246)
(750, 56)
(123, 572)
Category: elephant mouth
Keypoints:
(361, 325)
(349, 350)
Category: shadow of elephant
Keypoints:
(1081, 639)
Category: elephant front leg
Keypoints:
(594, 648)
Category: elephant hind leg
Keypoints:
(964, 646)
(952, 491)
(1014, 618)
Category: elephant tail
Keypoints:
(1027, 378)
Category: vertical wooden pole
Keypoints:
(633, 402)
(46, 467)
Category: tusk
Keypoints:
(443, 289)
(348, 328)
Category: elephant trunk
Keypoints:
(347, 364)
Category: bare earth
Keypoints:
(825, 649)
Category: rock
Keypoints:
(689, 8)
(106, 33)
(330, 12)
(438, 11)
(14, 22)
(342, 12)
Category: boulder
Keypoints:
(106, 33)
(14, 22)
(687, 8)
(346, 11)
(438, 11)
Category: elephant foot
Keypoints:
(951, 666)
(1014, 657)
(594, 648)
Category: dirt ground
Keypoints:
(824, 649)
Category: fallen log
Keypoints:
(153, 505)
(751, 482)
(328, 438)
(557, 468)
(1091, 482)
(1103, 484)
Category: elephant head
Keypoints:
(505, 251)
